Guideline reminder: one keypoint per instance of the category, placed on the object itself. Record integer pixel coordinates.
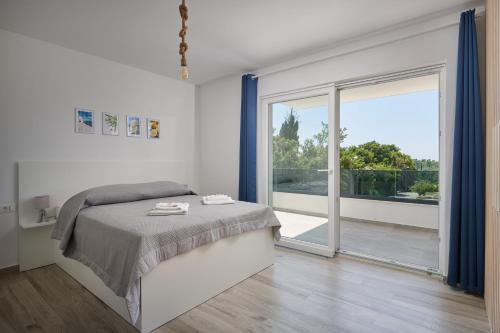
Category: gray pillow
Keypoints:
(110, 194)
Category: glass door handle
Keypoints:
(330, 172)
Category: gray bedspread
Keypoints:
(108, 230)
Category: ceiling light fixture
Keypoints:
(183, 10)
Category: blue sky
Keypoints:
(409, 121)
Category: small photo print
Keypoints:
(109, 123)
(84, 121)
(133, 126)
(153, 128)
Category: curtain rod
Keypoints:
(252, 74)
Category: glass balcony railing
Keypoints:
(390, 185)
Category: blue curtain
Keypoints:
(248, 139)
(466, 257)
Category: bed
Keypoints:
(156, 268)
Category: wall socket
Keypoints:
(7, 208)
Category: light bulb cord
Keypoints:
(183, 46)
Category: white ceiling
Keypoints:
(225, 36)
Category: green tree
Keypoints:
(342, 135)
(375, 156)
(322, 136)
(290, 127)
(313, 156)
(427, 165)
(314, 152)
(362, 166)
(285, 153)
(423, 187)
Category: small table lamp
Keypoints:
(42, 202)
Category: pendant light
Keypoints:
(183, 10)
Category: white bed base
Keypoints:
(172, 288)
(183, 282)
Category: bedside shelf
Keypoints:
(37, 225)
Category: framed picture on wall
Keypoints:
(110, 123)
(84, 121)
(153, 128)
(134, 126)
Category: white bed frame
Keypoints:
(172, 288)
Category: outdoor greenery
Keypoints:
(313, 153)
(371, 168)
(290, 127)
(427, 165)
(375, 156)
(422, 187)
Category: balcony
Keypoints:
(380, 215)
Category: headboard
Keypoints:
(62, 179)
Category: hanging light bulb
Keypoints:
(183, 47)
(184, 73)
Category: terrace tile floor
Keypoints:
(405, 244)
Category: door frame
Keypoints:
(333, 90)
(440, 70)
(264, 176)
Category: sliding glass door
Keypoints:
(389, 171)
(355, 168)
(298, 171)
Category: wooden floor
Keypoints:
(300, 293)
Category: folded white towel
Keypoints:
(217, 197)
(172, 205)
(217, 202)
(161, 212)
(166, 204)
(169, 208)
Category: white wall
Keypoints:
(415, 215)
(395, 212)
(41, 83)
(219, 122)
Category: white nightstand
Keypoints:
(31, 225)
(36, 247)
